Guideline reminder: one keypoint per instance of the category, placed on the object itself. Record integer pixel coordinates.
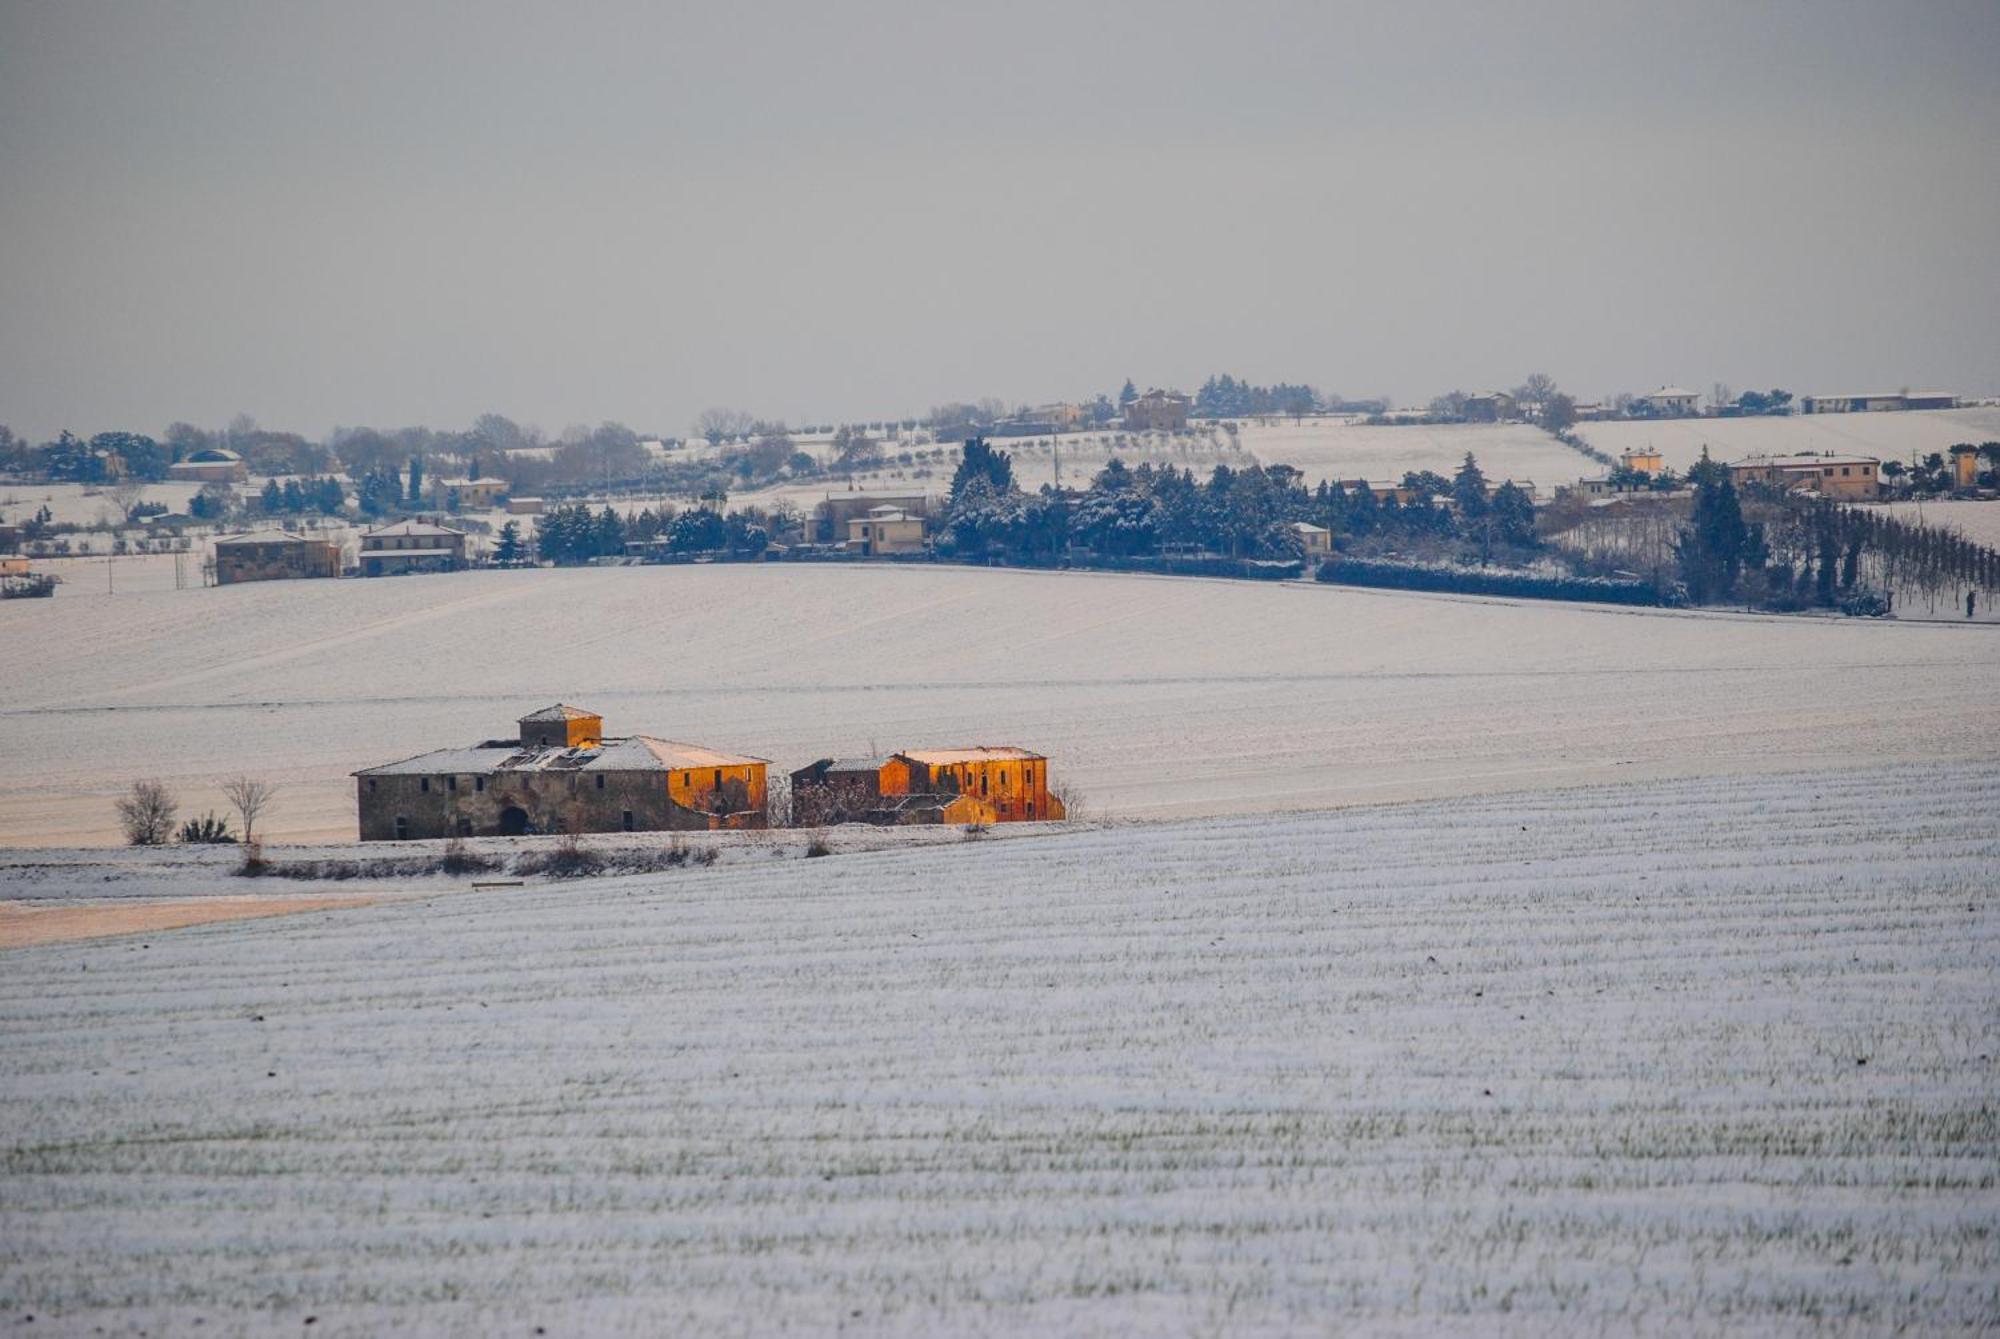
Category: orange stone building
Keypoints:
(984, 784)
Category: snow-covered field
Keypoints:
(83, 504)
(1339, 449)
(1977, 521)
(1157, 695)
(1684, 1058)
(1898, 436)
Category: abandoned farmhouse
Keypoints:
(560, 775)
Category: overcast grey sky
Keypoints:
(393, 213)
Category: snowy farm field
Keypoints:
(1158, 696)
(1334, 448)
(1896, 436)
(1677, 1058)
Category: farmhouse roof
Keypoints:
(562, 711)
(415, 529)
(977, 753)
(211, 455)
(1673, 392)
(636, 753)
(1800, 462)
(261, 537)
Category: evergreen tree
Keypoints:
(508, 550)
(977, 460)
(1468, 492)
(416, 480)
(272, 498)
(1127, 395)
(1710, 549)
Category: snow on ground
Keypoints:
(1156, 695)
(1685, 1058)
(1332, 448)
(1892, 436)
(1977, 521)
(83, 504)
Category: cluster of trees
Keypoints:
(1240, 513)
(572, 534)
(296, 496)
(1226, 397)
(147, 811)
(1777, 550)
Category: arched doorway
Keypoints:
(513, 821)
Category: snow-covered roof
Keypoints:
(1799, 462)
(638, 753)
(977, 753)
(561, 711)
(211, 455)
(1673, 393)
(1308, 528)
(261, 537)
(416, 529)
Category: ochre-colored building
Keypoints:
(1158, 411)
(561, 775)
(274, 555)
(885, 530)
(963, 785)
(1965, 465)
(1848, 478)
(1647, 461)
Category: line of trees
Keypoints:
(572, 534)
(1248, 512)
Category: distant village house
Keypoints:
(1878, 402)
(885, 530)
(561, 774)
(210, 465)
(1848, 478)
(1673, 402)
(412, 546)
(1158, 411)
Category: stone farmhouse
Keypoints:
(962, 785)
(412, 546)
(561, 774)
(274, 555)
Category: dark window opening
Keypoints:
(402, 828)
(479, 783)
(451, 783)
(628, 820)
(425, 785)
(718, 778)
(371, 783)
(600, 782)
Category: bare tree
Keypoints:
(128, 496)
(147, 813)
(250, 798)
(718, 425)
